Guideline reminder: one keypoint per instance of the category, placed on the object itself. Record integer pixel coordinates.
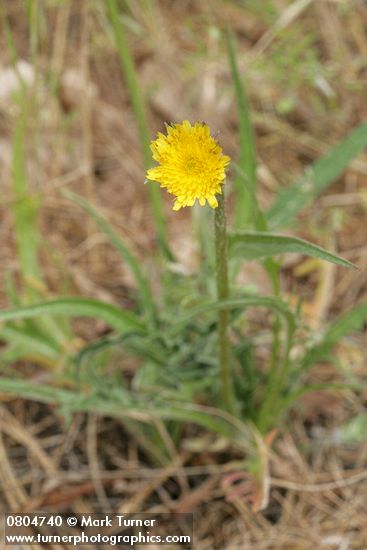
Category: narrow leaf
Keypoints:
(251, 245)
(145, 295)
(236, 303)
(31, 341)
(245, 181)
(24, 210)
(349, 322)
(352, 432)
(71, 401)
(140, 113)
(77, 307)
(318, 177)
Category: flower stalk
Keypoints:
(191, 167)
(220, 225)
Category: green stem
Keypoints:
(223, 314)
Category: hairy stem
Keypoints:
(223, 314)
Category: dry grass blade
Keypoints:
(14, 429)
(320, 487)
(92, 451)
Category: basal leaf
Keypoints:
(77, 307)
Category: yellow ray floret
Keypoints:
(191, 164)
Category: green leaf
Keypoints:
(251, 245)
(140, 113)
(37, 392)
(77, 307)
(145, 295)
(349, 322)
(235, 303)
(24, 209)
(209, 417)
(9, 38)
(31, 341)
(245, 182)
(317, 178)
(354, 431)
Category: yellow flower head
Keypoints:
(191, 164)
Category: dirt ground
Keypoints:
(306, 75)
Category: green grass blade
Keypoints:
(24, 212)
(32, 11)
(145, 294)
(251, 245)
(10, 43)
(245, 182)
(128, 69)
(77, 307)
(318, 177)
(351, 321)
(353, 431)
(11, 290)
(137, 101)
